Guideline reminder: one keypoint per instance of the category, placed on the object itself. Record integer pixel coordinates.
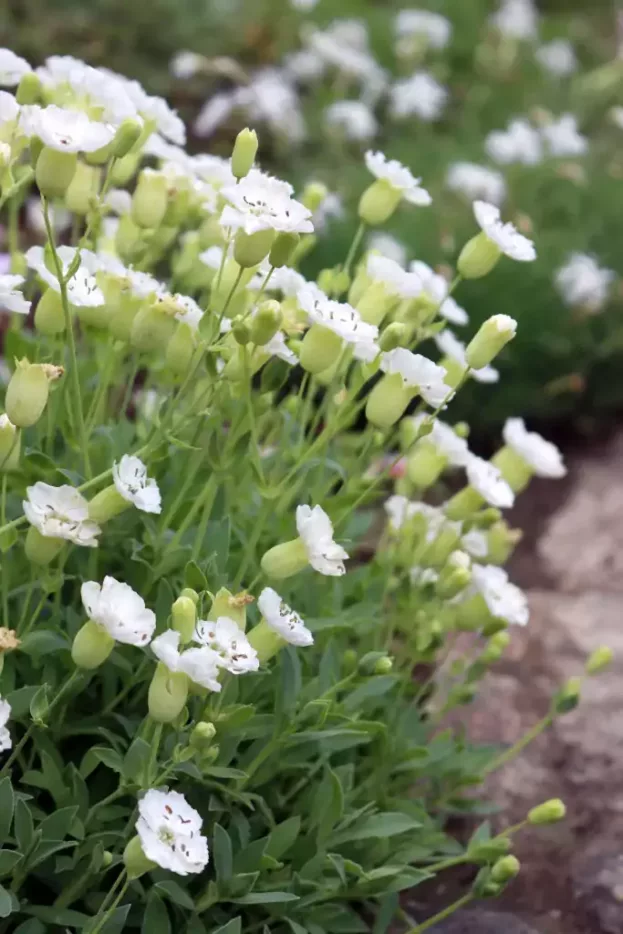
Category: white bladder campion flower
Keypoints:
(504, 600)
(453, 348)
(432, 27)
(562, 138)
(283, 619)
(338, 317)
(476, 182)
(119, 610)
(316, 533)
(64, 130)
(505, 236)
(421, 96)
(396, 280)
(169, 830)
(12, 68)
(543, 457)
(520, 142)
(517, 19)
(583, 283)
(5, 737)
(60, 512)
(398, 177)
(133, 484)
(224, 637)
(488, 481)
(353, 119)
(558, 57)
(199, 663)
(11, 299)
(419, 373)
(260, 202)
(82, 289)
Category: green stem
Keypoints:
(113, 796)
(130, 384)
(5, 563)
(520, 745)
(153, 755)
(442, 915)
(354, 247)
(104, 382)
(109, 911)
(232, 292)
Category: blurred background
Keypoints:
(531, 93)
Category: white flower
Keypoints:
(338, 317)
(352, 118)
(476, 181)
(304, 65)
(60, 217)
(422, 576)
(563, 139)
(303, 4)
(277, 347)
(11, 299)
(420, 95)
(446, 440)
(119, 201)
(286, 280)
(185, 64)
(615, 113)
(543, 456)
(283, 619)
(228, 641)
(388, 246)
(260, 202)
(517, 19)
(487, 480)
(316, 532)
(366, 351)
(82, 289)
(398, 177)
(420, 373)
(343, 49)
(201, 664)
(189, 311)
(582, 282)
(434, 28)
(452, 347)
(475, 543)
(12, 68)
(331, 207)
(9, 108)
(213, 113)
(452, 312)
(396, 280)
(131, 481)
(170, 832)
(505, 236)
(434, 286)
(60, 512)
(102, 92)
(119, 610)
(5, 737)
(399, 510)
(520, 142)
(64, 130)
(504, 600)
(558, 57)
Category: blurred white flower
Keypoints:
(445, 439)
(506, 237)
(82, 289)
(517, 19)
(303, 4)
(388, 246)
(133, 484)
(201, 664)
(60, 217)
(119, 610)
(563, 139)
(64, 130)
(170, 832)
(543, 456)
(487, 480)
(12, 68)
(434, 286)
(283, 619)
(353, 119)
(316, 532)
(420, 96)
(5, 737)
(396, 280)
(504, 600)
(304, 65)
(418, 372)
(11, 299)
(558, 57)
(186, 64)
(583, 283)
(60, 512)
(476, 181)
(432, 27)
(520, 142)
(398, 177)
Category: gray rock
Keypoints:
(597, 875)
(483, 922)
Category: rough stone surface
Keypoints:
(597, 874)
(483, 922)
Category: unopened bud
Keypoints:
(251, 249)
(234, 606)
(202, 735)
(383, 666)
(149, 201)
(505, 869)
(388, 400)
(126, 137)
(184, 618)
(368, 663)
(378, 203)
(283, 249)
(313, 195)
(568, 698)
(124, 169)
(28, 391)
(349, 661)
(393, 336)
(599, 660)
(240, 330)
(495, 647)
(54, 171)
(492, 336)
(29, 89)
(265, 322)
(245, 151)
(489, 849)
(191, 594)
(550, 812)
(478, 257)
(106, 859)
(9, 444)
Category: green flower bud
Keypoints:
(285, 560)
(313, 195)
(231, 605)
(597, 661)
(28, 391)
(245, 151)
(463, 504)
(135, 862)
(41, 549)
(184, 618)
(124, 169)
(202, 734)
(478, 257)
(265, 322)
(492, 336)
(49, 314)
(495, 647)
(241, 330)
(91, 646)
(127, 135)
(251, 249)
(515, 470)
(484, 886)
(54, 171)
(388, 400)
(83, 189)
(501, 542)
(452, 581)
(505, 869)
(167, 694)
(150, 198)
(349, 661)
(106, 859)
(550, 812)
(100, 156)
(489, 849)
(368, 663)
(191, 594)
(9, 445)
(383, 666)
(320, 349)
(181, 348)
(128, 237)
(394, 335)
(283, 249)
(29, 89)
(568, 698)
(425, 465)
(378, 203)
(152, 328)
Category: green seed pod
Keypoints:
(29, 89)
(167, 694)
(91, 646)
(550, 812)
(245, 151)
(28, 391)
(320, 349)
(49, 313)
(378, 203)
(54, 171)
(41, 549)
(283, 249)
(265, 322)
(83, 188)
(149, 201)
(251, 249)
(184, 618)
(152, 329)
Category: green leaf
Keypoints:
(374, 688)
(296, 927)
(47, 848)
(281, 837)
(135, 760)
(290, 678)
(57, 825)
(266, 898)
(63, 917)
(386, 913)
(32, 926)
(386, 824)
(6, 903)
(194, 577)
(117, 920)
(175, 893)
(108, 757)
(20, 700)
(232, 927)
(222, 852)
(329, 804)
(23, 825)
(156, 917)
(43, 642)
(8, 861)
(7, 804)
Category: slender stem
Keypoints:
(106, 915)
(442, 915)
(232, 292)
(209, 492)
(130, 384)
(113, 796)
(104, 382)
(75, 375)
(521, 744)
(5, 563)
(153, 755)
(354, 247)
